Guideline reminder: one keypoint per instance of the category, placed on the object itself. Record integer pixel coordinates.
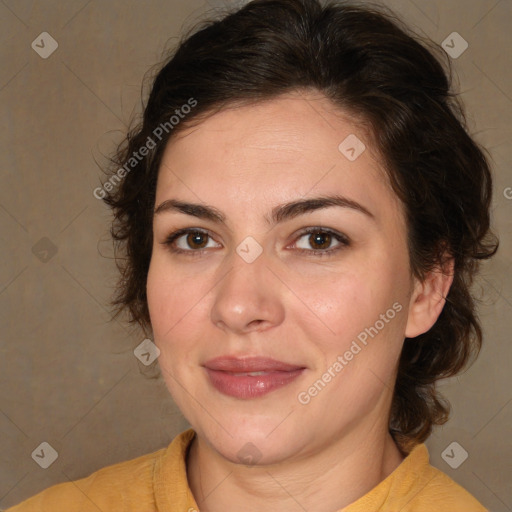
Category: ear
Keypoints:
(428, 299)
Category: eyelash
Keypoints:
(344, 241)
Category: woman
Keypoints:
(301, 212)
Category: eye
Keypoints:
(190, 240)
(318, 241)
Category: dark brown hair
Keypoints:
(370, 65)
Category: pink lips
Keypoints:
(229, 375)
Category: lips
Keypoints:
(249, 364)
(250, 377)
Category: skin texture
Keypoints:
(289, 305)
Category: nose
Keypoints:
(248, 298)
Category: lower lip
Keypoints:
(248, 386)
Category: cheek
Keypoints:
(344, 303)
(158, 296)
(363, 313)
(170, 303)
(172, 297)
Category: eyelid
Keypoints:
(322, 229)
(343, 240)
(170, 239)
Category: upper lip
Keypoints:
(249, 364)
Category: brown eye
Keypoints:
(191, 241)
(197, 240)
(320, 240)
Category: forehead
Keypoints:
(278, 149)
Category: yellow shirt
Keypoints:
(157, 482)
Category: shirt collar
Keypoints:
(173, 494)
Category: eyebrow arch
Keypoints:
(278, 214)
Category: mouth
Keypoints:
(250, 377)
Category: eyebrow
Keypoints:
(278, 214)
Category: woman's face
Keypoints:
(331, 307)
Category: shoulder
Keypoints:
(417, 486)
(431, 489)
(111, 488)
(444, 494)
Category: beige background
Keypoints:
(68, 376)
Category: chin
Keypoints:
(255, 453)
(249, 440)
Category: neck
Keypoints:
(330, 479)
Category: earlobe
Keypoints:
(428, 299)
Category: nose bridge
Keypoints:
(249, 271)
(248, 294)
